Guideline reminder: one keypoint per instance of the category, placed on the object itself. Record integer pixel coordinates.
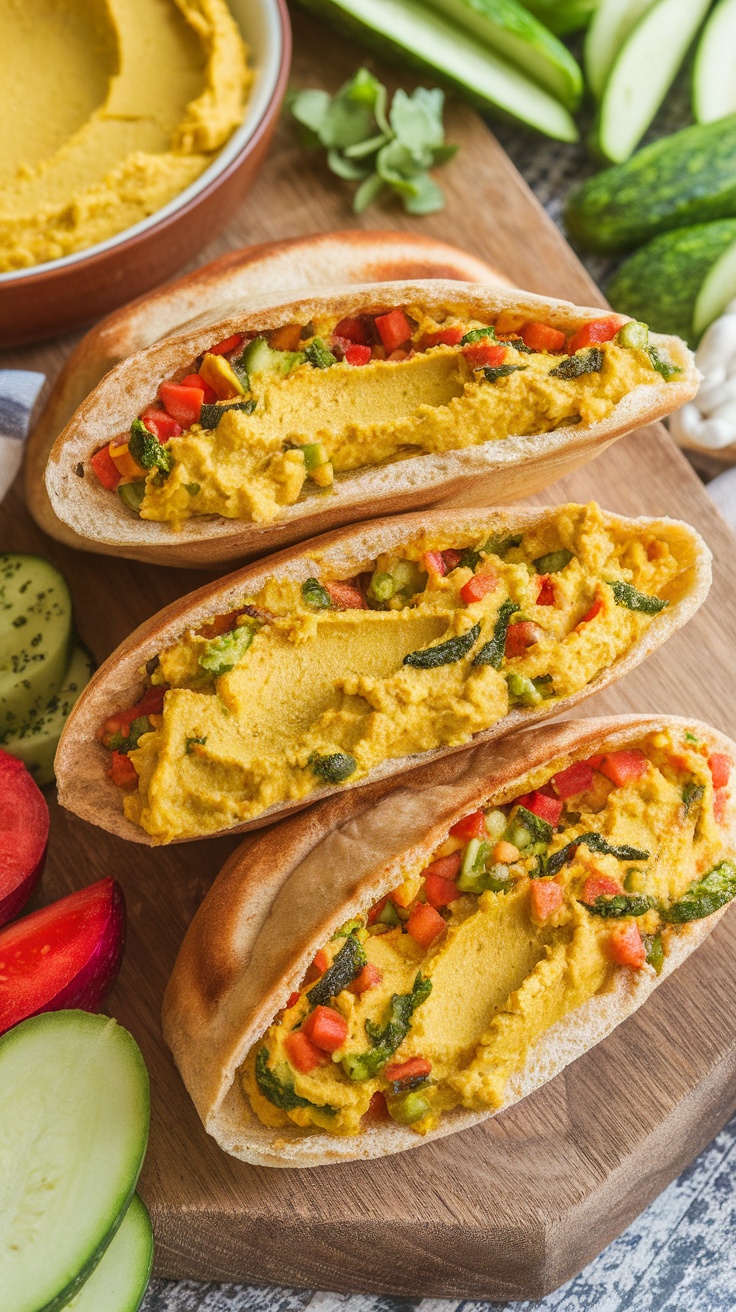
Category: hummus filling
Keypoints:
(115, 107)
(251, 427)
(435, 998)
(318, 682)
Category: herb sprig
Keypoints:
(378, 147)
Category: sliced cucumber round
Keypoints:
(35, 635)
(74, 1112)
(412, 32)
(610, 25)
(643, 73)
(714, 74)
(36, 741)
(506, 27)
(121, 1277)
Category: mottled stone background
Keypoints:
(678, 1256)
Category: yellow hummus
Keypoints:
(476, 1027)
(251, 465)
(111, 108)
(259, 715)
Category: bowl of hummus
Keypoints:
(134, 130)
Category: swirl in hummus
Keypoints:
(115, 107)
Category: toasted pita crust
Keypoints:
(497, 471)
(271, 909)
(81, 762)
(258, 274)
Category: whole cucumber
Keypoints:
(686, 178)
(660, 283)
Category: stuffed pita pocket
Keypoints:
(365, 653)
(263, 274)
(277, 423)
(401, 963)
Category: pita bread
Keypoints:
(271, 909)
(495, 471)
(81, 762)
(257, 275)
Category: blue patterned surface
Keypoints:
(678, 1256)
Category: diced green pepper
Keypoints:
(381, 586)
(315, 595)
(406, 1108)
(223, 653)
(553, 562)
(655, 952)
(633, 335)
(523, 690)
(132, 494)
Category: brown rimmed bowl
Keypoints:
(50, 298)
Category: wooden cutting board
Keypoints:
(516, 1206)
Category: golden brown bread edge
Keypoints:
(257, 274)
(494, 472)
(81, 762)
(279, 898)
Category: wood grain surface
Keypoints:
(516, 1206)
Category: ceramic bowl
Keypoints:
(50, 298)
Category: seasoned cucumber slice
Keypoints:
(35, 636)
(714, 75)
(411, 32)
(610, 25)
(515, 34)
(74, 1111)
(643, 73)
(121, 1277)
(36, 741)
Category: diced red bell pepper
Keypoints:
(540, 804)
(471, 826)
(546, 897)
(519, 637)
(451, 558)
(319, 965)
(346, 596)
(478, 587)
(440, 891)
(598, 330)
(434, 563)
(624, 767)
(354, 330)
(376, 910)
(122, 771)
(357, 354)
(720, 804)
(151, 703)
(184, 404)
(394, 329)
(444, 337)
(541, 337)
(589, 615)
(196, 380)
(484, 355)
(626, 947)
(162, 426)
(720, 769)
(368, 978)
(302, 1053)
(326, 1029)
(425, 925)
(407, 1072)
(106, 469)
(594, 761)
(599, 886)
(292, 999)
(377, 1109)
(227, 345)
(448, 867)
(575, 778)
(546, 594)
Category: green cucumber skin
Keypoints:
(393, 51)
(659, 283)
(517, 24)
(675, 182)
(562, 16)
(121, 1277)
